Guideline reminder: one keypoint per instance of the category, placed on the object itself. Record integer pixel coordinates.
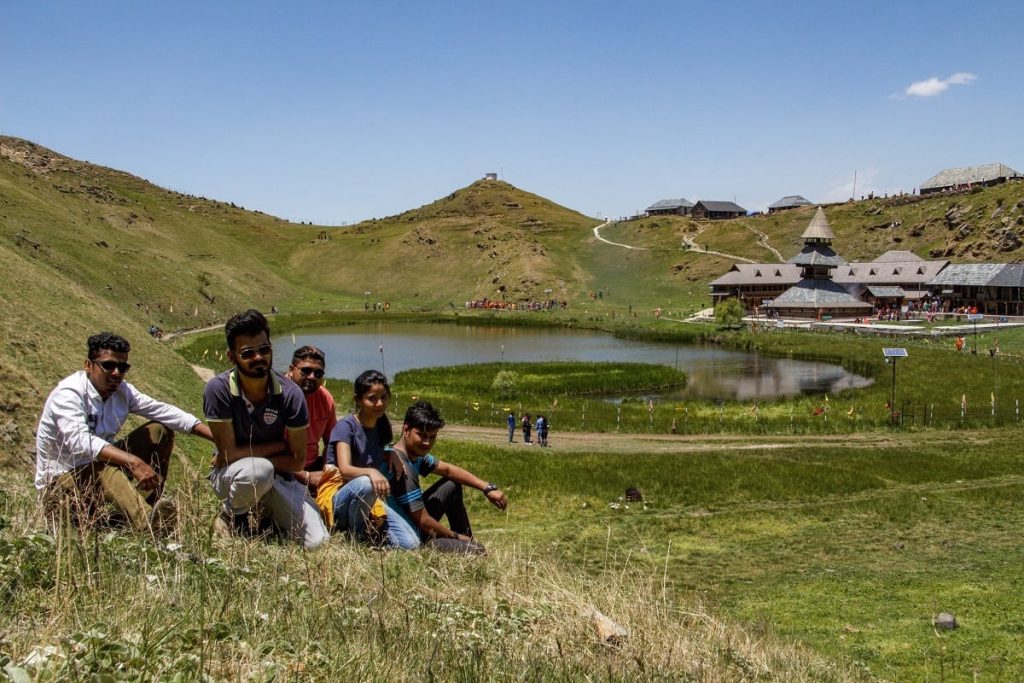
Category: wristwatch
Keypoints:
(489, 488)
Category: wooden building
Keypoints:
(968, 177)
(717, 210)
(790, 202)
(670, 207)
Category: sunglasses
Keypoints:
(248, 353)
(315, 372)
(111, 365)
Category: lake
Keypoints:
(712, 372)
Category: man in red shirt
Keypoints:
(307, 370)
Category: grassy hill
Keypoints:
(984, 224)
(84, 248)
(487, 240)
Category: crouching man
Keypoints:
(82, 473)
(413, 515)
(259, 422)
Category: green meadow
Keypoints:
(810, 539)
(852, 546)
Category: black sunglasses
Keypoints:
(315, 372)
(111, 365)
(248, 353)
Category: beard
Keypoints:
(254, 371)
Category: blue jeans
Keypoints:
(352, 504)
(401, 534)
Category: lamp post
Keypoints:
(974, 318)
(891, 356)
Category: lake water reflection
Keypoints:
(711, 371)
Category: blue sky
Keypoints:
(337, 112)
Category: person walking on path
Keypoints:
(526, 428)
(511, 427)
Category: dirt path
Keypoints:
(612, 442)
(597, 234)
(593, 442)
(205, 374)
(762, 239)
(692, 245)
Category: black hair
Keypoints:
(422, 415)
(247, 324)
(107, 341)
(363, 383)
(308, 353)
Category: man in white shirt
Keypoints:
(81, 471)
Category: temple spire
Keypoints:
(818, 230)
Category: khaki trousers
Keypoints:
(98, 493)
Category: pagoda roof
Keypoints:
(818, 255)
(818, 294)
(818, 228)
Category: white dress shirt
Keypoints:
(77, 423)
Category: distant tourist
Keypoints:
(307, 370)
(259, 422)
(81, 469)
(542, 430)
(419, 512)
(511, 426)
(527, 426)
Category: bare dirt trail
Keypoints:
(594, 442)
(762, 240)
(692, 245)
(613, 442)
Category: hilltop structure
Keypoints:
(717, 210)
(670, 207)
(789, 202)
(970, 176)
